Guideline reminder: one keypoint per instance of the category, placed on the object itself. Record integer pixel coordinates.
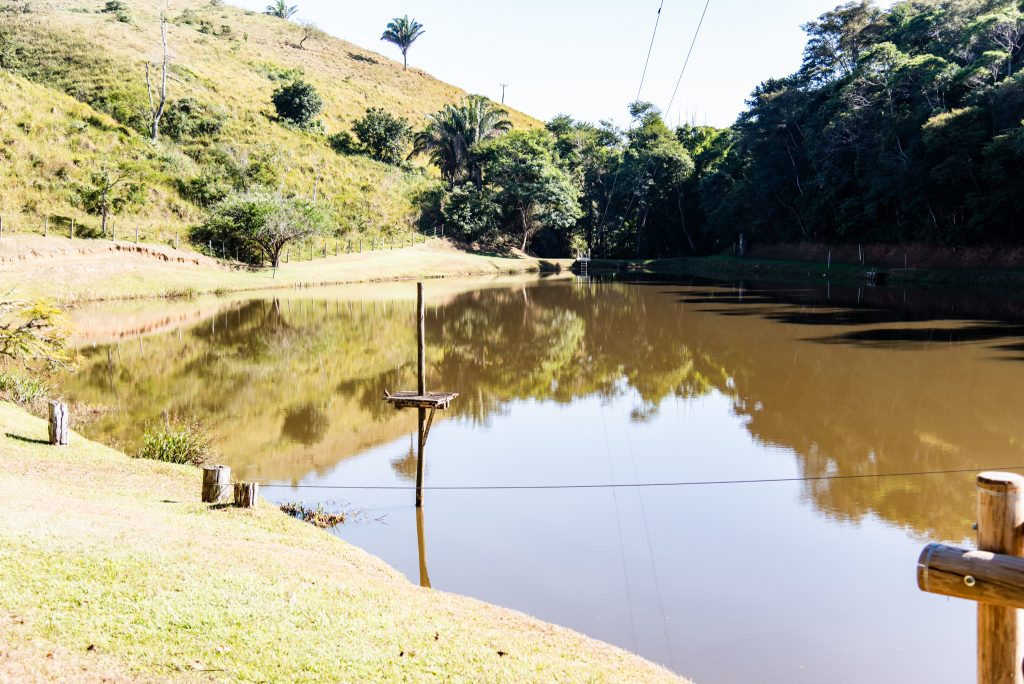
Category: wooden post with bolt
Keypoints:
(58, 423)
(993, 576)
(216, 484)
(246, 494)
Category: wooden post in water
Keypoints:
(58, 423)
(1000, 530)
(216, 483)
(421, 386)
(246, 494)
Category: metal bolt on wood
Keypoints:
(216, 484)
(59, 433)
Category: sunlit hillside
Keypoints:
(74, 100)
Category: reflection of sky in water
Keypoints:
(568, 384)
(723, 583)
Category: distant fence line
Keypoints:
(65, 227)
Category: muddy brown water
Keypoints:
(820, 392)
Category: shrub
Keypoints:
(206, 189)
(344, 142)
(188, 118)
(184, 443)
(472, 214)
(297, 102)
(114, 7)
(385, 136)
(259, 224)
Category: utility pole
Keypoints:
(503, 86)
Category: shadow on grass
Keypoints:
(27, 440)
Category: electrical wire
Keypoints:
(630, 485)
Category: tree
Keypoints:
(385, 137)
(310, 31)
(33, 333)
(533, 191)
(281, 10)
(298, 102)
(836, 40)
(263, 221)
(403, 32)
(158, 99)
(452, 133)
(111, 190)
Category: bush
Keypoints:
(188, 118)
(114, 7)
(384, 136)
(259, 224)
(185, 443)
(22, 389)
(471, 214)
(297, 102)
(206, 189)
(344, 142)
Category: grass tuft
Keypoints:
(184, 443)
(21, 388)
(318, 516)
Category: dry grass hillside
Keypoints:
(73, 98)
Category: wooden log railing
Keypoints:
(993, 576)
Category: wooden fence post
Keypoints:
(1000, 530)
(216, 483)
(1, 226)
(136, 234)
(72, 229)
(46, 225)
(246, 494)
(58, 423)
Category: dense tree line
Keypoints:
(902, 124)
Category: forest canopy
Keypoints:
(902, 124)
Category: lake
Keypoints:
(812, 395)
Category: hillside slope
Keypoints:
(74, 99)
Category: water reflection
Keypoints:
(297, 384)
(594, 383)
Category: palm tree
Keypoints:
(403, 32)
(452, 133)
(281, 10)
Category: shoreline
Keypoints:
(104, 271)
(132, 577)
(730, 267)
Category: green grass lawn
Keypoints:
(113, 570)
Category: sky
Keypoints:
(585, 57)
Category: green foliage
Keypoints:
(343, 142)
(22, 388)
(452, 133)
(533, 192)
(297, 102)
(259, 224)
(281, 9)
(403, 32)
(471, 214)
(188, 119)
(33, 333)
(182, 443)
(385, 137)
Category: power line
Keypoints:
(643, 78)
(629, 485)
(671, 101)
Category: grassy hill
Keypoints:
(74, 98)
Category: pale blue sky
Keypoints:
(585, 57)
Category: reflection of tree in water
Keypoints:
(844, 408)
(405, 465)
(306, 424)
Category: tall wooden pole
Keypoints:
(421, 385)
(1000, 530)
